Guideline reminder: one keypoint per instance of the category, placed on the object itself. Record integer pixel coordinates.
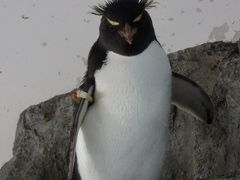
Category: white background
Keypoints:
(44, 45)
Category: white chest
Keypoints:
(124, 134)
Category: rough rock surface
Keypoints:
(197, 151)
(42, 142)
(201, 151)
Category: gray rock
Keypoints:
(197, 151)
(42, 142)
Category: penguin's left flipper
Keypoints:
(191, 98)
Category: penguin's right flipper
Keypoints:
(191, 98)
(76, 174)
(84, 98)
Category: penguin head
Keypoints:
(126, 27)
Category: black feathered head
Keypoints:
(103, 9)
(126, 27)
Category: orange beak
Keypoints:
(127, 33)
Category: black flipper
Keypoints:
(96, 59)
(78, 120)
(190, 97)
(76, 174)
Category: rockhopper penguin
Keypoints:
(124, 135)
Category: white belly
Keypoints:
(125, 133)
